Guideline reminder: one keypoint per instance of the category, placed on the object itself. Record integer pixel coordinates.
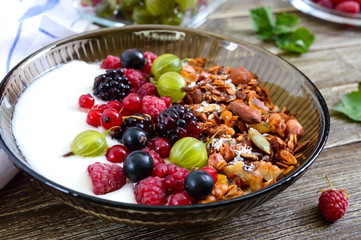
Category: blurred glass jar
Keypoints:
(116, 13)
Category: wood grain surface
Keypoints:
(333, 64)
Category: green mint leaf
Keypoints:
(281, 29)
(263, 22)
(350, 104)
(298, 41)
(286, 19)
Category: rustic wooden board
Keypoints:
(333, 64)
(292, 214)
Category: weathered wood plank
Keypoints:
(233, 20)
(293, 213)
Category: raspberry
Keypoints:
(167, 100)
(148, 89)
(136, 78)
(111, 62)
(153, 106)
(174, 180)
(106, 177)
(156, 158)
(348, 7)
(181, 198)
(325, 3)
(333, 203)
(160, 170)
(151, 191)
(150, 57)
(335, 1)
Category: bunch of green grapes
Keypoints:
(170, 12)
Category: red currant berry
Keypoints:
(93, 117)
(111, 118)
(162, 146)
(131, 104)
(181, 198)
(117, 153)
(211, 172)
(101, 107)
(114, 104)
(86, 101)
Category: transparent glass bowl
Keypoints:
(193, 18)
(331, 15)
(287, 87)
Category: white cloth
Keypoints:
(26, 26)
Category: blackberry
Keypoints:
(136, 120)
(113, 85)
(177, 122)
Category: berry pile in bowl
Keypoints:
(338, 11)
(161, 131)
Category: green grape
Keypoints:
(166, 63)
(141, 15)
(89, 143)
(129, 5)
(186, 4)
(175, 18)
(189, 152)
(159, 7)
(170, 84)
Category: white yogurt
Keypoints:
(46, 120)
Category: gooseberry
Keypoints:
(170, 84)
(189, 152)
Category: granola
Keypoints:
(252, 143)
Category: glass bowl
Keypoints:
(287, 87)
(192, 17)
(331, 15)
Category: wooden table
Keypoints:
(333, 64)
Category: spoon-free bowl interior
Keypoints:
(287, 87)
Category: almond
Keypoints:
(245, 112)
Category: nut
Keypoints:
(245, 112)
(240, 75)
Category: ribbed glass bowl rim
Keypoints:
(325, 125)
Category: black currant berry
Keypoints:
(135, 138)
(138, 165)
(198, 184)
(132, 58)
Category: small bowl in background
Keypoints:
(109, 15)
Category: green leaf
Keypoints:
(298, 41)
(263, 22)
(350, 104)
(281, 29)
(286, 19)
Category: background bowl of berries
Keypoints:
(338, 11)
(164, 126)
